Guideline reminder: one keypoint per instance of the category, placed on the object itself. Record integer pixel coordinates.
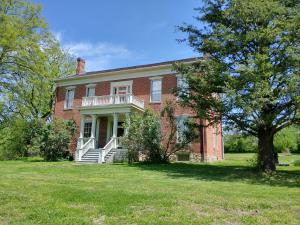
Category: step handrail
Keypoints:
(108, 147)
(87, 145)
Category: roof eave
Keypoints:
(147, 67)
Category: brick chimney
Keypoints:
(80, 66)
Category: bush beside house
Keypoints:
(146, 135)
(36, 138)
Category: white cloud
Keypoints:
(98, 56)
(57, 35)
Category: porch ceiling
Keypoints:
(104, 110)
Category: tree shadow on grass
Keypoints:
(228, 173)
(31, 159)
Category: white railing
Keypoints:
(108, 147)
(89, 144)
(112, 100)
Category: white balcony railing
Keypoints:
(112, 100)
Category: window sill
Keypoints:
(154, 103)
(68, 109)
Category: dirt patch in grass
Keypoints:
(143, 209)
(100, 220)
(196, 208)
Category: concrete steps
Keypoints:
(109, 156)
(91, 156)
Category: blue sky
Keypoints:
(119, 33)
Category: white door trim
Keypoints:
(119, 84)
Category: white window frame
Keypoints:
(121, 84)
(90, 129)
(67, 104)
(87, 89)
(178, 83)
(180, 117)
(153, 79)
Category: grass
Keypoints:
(228, 192)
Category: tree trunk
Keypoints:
(266, 151)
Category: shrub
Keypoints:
(21, 138)
(152, 137)
(172, 144)
(287, 139)
(55, 139)
(133, 138)
(33, 134)
(144, 135)
(237, 143)
(12, 139)
(297, 163)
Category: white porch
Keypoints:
(107, 100)
(101, 119)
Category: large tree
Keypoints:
(249, 74)
(30, 60)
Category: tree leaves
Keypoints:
(252, 75)
(253, 65)
(30, 60)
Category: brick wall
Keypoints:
(141, 89)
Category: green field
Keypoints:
(227, 192)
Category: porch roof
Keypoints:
(109, 109)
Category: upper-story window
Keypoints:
(156, 84)
(121, 87)
(183, 86)
(69, 98)
(90, 90)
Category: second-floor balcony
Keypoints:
(107, 100)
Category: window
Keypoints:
(182, 85)
(183, 156)
(69, 98)
(121, 87)
(181, 127)
(121, 90)
(90, 91)
(87, 131)
(155, 90)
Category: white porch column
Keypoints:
(93, 131)
(127, 117)
(93, 126)
(80, 139)
(115, 126)
(82, 119)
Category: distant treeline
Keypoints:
(287, 140)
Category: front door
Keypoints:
(102, 131)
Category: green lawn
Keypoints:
(227, 192)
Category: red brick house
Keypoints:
(100, 101)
